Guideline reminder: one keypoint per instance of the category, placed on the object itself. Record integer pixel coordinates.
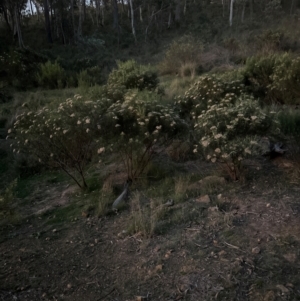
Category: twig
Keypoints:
(232, 246)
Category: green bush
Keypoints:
(289, 121)
(286, 79)
(181, 53)
(90, 77)
(275, 78)
(269, 41)
(51, 76)
(130, 75)
(17, 69)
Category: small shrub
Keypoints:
(180, 53)
(188, 69)
(141, 128)
(90, 77)
(51, 76)
(130, 75)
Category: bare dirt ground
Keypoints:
(243, 245)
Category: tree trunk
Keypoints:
(231, 13)
(47, 22)
(132, 20)
(116, 18)
(141, 14)
(84, 10)
(178, 11)
(31, 7)
(292, 7)
(18, 27)
(6, 20)
(251, 9)
(80, 5)
(243, 11)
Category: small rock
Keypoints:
(221, 253)
(69, 285)
(157, 249)
(219, 196)
(291, 257)
(268, 205)
(158, 268)
(47, 238)
(270, 296)
(213, 180)
(141, 298)
(169, 203)
(54, 230)
(84, 214)
(203, 199)
(213, 209)
(96, 240)
(283, 289)
(256, 250)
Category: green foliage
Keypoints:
(286, 79)
(17, 69)
(51, 76)
(258, 72)
(66, 135)
(289, 121)
(269, 41)
(275, 77)
(6, 199)
(182, 53)
(130, 75)
(90, 77)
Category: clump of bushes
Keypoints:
(130, 75)
(90, 77)
(17, 69)
(51, 76)
(183, 57)
(226, 123)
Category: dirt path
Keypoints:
(244, 247)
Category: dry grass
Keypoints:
(144, 215)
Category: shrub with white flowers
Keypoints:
(208, 90)
(142, 127)
(229, 131)
(66, 136)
